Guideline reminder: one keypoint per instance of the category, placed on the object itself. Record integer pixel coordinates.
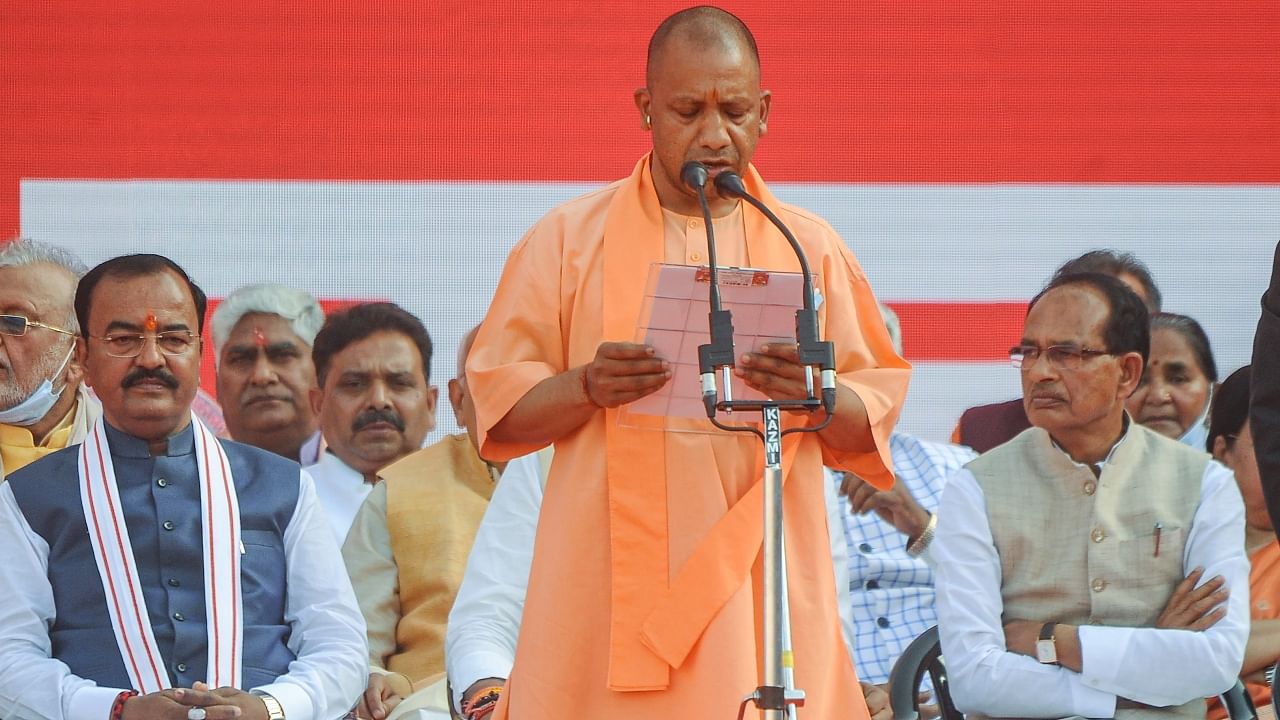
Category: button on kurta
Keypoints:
(173, 582)
(1090, 487)
(1099, 585)
(1098, 535)
(179, 617)
(168, 525)
(162, 482)
(180, 667)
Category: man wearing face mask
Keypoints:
(43, 404)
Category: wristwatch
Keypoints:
(1046, 648)
(916, 547)
(274, 709)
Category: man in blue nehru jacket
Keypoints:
(155, 571)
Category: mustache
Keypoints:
(138, 375)
(369, 417)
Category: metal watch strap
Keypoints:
(274, 710)
(916, 547)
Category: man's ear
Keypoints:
(1130, 373)
(433, 401)
(74, 374)
(1219, 448)
(78, 369)
(643, 103)
(766, 100)
(455, 399)
(316, 395)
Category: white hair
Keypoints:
(23, 252)
(296, 306)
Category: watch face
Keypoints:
(1046, 651)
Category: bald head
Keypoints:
(702, 28)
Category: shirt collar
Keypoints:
(1097, 468)
(130, 446)
(336, 466)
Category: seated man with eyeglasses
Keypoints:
(156, 571)
(1090, 566)
(43, 404)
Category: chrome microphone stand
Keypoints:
(777, 695)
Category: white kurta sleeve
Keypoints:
(33, 685)
(985, 677)
(485, 621)
(327, 631)
(1171, 667)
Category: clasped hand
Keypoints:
(222, 704)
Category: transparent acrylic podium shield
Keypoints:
(673, 319)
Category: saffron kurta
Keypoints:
(1264, 604)
(644, 594)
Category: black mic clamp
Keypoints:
(812, 351)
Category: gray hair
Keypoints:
(23, 252)
(297, 306)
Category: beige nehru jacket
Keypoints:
(1114, 553)
(407, 550)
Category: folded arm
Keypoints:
(1164, 667)
(985, 676)
(1156, 666)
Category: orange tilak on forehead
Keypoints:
(259, 338)
(150, 324)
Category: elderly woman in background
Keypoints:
(1231, 442)
(1173, 397)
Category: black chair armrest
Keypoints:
(904, 680)
(1238, 703)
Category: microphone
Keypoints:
(811, 350)
(718, 354)
(694, 174)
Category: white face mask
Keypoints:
(34, 408)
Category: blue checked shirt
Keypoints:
(890, 592)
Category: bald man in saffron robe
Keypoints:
(645, 595)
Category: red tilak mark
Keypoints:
(258, 338)
(150, 324)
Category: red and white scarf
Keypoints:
(220, 531)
